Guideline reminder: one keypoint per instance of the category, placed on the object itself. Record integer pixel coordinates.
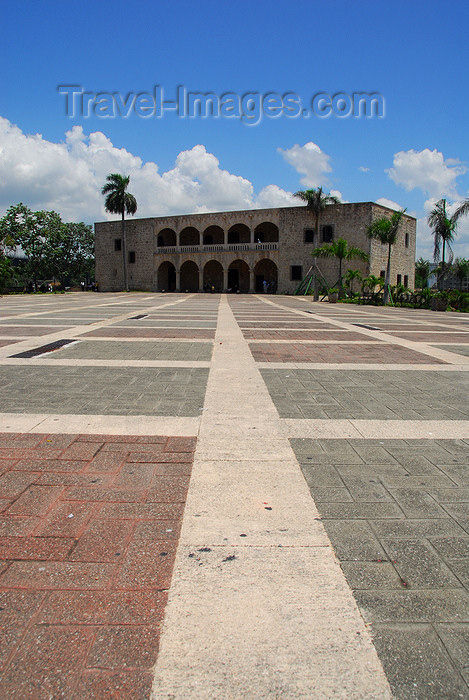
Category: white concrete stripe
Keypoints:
(98, 424)
(258, 606)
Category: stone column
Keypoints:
(252, 281)
(225, 279)
(178, 279)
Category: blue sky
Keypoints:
(414, 54)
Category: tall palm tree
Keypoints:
(118, 201)
(341, 250)
(385, 231)
(316, 201)
(444, 228)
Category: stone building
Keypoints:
(247, 251)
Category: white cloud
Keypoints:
(389, 203)
(275, 196)
(310, 161)
(363, 169)
(428, 171)
(68, 177)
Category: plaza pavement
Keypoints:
(208, 496)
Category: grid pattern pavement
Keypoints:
(84, 597)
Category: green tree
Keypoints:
(349, 278)
(316, 201)
(70, 252)
(341, 250)
(118, 201)
(443, 228)
(371, 282)
(461, 270)
(422, 272)
(385, 231)
(31, 231)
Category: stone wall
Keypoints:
(348, 221)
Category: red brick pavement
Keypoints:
(435, 337)
(337, 353)
(26, 331)
(306, 335)
(90, 525)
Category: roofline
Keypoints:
(248, 211)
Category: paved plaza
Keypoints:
(230, 496)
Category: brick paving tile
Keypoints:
(196, 333)
(89, 538)
(111, 684)
(336, 353)
(409, 571)
(58, 652)
(336, 335)
(436, 337)
(31, 330)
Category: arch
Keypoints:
(166, 277)
(239, 233)
(166, 237)
(266, 271)
(213, 276)
(238, 276)
(189, 277)
(189, 236)
(214, 235)
(267, 232)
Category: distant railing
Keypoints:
(216, 248)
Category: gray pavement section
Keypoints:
(397, 514)
(103, 390)
(368, 394)
(129, 350)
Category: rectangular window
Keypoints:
(406, 280)
(117, 244)
(297, 272)
(309, 235)
(382, 273)
(407, 240)
(399, 279)
(327, 234)
(131, 256)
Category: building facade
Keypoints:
(256, 250)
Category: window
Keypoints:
(399, 279)
(407, 240)
(131, 256)
(296, 272)
(327, 234)
(382, 273)
(117, 244)
(406, 280)
(309, 235)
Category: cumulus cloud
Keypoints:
(363, 169)
(310, 161)
(428, 171)
(68, 177)
(389, 203)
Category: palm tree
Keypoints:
(350, 276)
(422, 271)
(443, 231)
(461, 270)
(118, 201)
(316, 201)
(371, 282)
(462, 210)
(385, 231)
(341, 250)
